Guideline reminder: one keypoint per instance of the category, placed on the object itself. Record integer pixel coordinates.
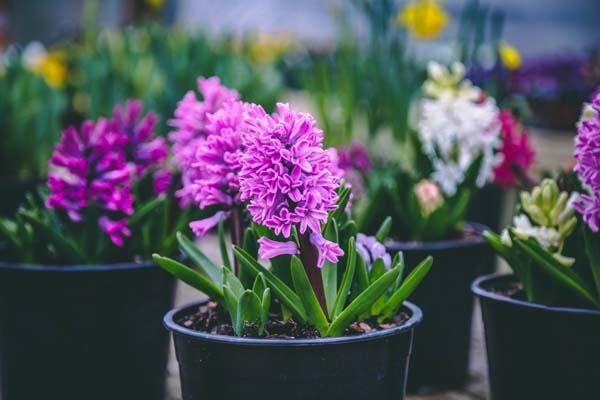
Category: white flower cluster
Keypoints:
(457, 124)
(549, 238)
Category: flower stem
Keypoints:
(236, 234)
(310, 255)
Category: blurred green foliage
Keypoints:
(158, 65)
(30, 119)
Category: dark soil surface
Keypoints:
(212, 318)
(510, 289)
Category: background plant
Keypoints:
(554, 251)
(31, 110)
(106, 199)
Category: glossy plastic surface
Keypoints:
(536, 351)
(370, 366)
(83, 332)
(440, 357)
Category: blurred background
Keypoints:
(355, 64)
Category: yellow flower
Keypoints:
(425, 19)
(509, 55)
(49, 64)
(267, 48)
(53, 68)
(156, 4)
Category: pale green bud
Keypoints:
(559, 206)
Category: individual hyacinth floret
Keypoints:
(286, 174)
(88, 167)
(587, 154)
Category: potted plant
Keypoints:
(547, 315)
(80, 299)
(454, 151)
(327, 316)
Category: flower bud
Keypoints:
(429, 196)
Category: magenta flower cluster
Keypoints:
(355, 156)
(96, 166)
(587, 154)
(144, 151)
(191, 121)
(89, 167)
(285, 172)
(286, 175)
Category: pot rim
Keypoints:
(169, 322)
(77, 267)
(478, 290)
(444, 244)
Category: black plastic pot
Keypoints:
(486, 207)
(83, 332)
(536, 351)
(441, 350)
(369, 366)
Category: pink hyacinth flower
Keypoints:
(116, 230)
(327, 250)
(286, 175)
(202, 226)
(271, 248)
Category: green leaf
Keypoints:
(362, 274)
(189, 276)
(250, 242)
(362, 303)
(592, 247)
(249, 309)
(384, 230)
(259, 285)
(398, 262)
(550, 265)
(204, 264)
(231, 303)
(339, 212)
(377, 270)
(266, 306)
(62, 244)
(330, 270)
(223, 244)
(347, 277)
(140, 215)
(410, 284)
(314, 312)
(229, 279)
(286, 295)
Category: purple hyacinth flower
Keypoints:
(370, 250)
(190, 123)
(88, 167)
(327, 250)
(286, 174)
(202, 226)
(587, 154)
(271, 248)
(117, 230)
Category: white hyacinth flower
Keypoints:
(454, 132)
(549, 238)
